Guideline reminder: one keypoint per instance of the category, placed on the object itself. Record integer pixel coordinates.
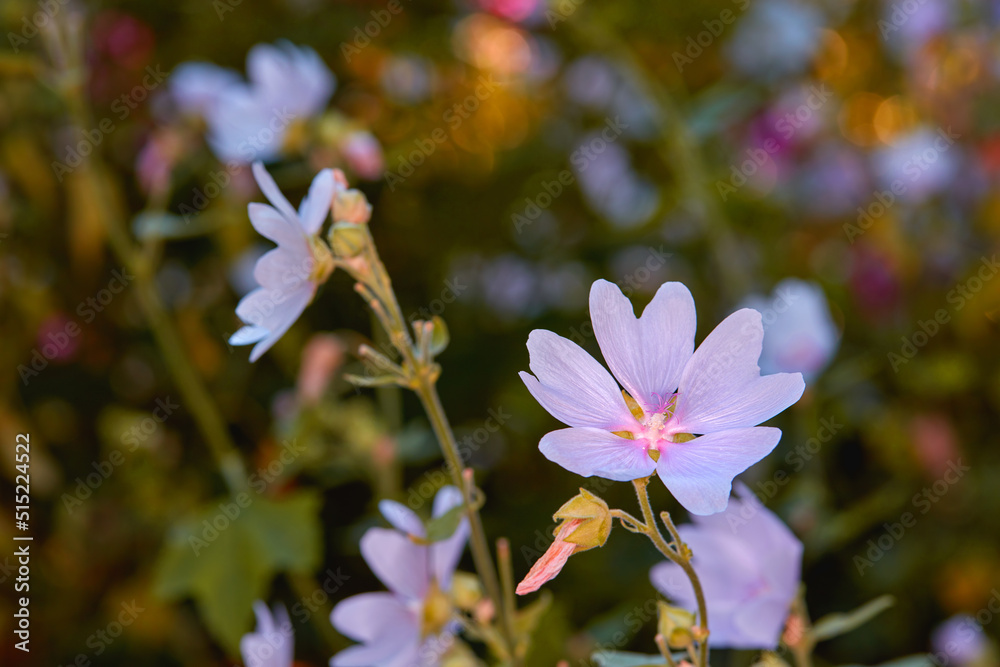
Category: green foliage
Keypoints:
(226, 569)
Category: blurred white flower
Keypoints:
(249, 120)
(918, 165)
(799, 333)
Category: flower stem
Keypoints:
(653, 532)
(422, 373)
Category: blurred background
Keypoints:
(832, 164)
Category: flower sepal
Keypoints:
(595, 517)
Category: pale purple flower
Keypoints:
(799, 333)
(289, 274)
(411, 624)
(716, 393)
(960, 641)
(249, 120)
(749, 565)
(272, 644)
(196, 86)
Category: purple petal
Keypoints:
(760, 622)
(285, 315)
(282, 269)
(397, 561)
(647, 354)
(248, 334)
(273, 193)
(721, 387)
(316, 205)
(368, 616)
(402, 518)
(700, 473)
(274, 226)
(573, 386)
(272, 643)
(595, 452)
(447, 497)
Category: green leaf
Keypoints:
(444, 526)
(834, 625)
(227, 556)
(919, 660)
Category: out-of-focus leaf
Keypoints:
(627, 659)
(920, 660)
(154, 225)
(226, 557)
(444, 526)
(439, 336)
(834, 625)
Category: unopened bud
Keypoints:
(596, 522)
(676, 625)
(351, 206)
(347, 240)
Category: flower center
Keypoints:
(322, 260)
(436, 612)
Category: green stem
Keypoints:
(654, 534)
(196, 397)
(423, 376)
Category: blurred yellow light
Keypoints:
(832, 59)
(491, 44)
(893, 116)
(856, 119)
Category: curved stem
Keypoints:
(654, 534)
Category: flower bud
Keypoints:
(676, 625)
(466, 590)
(596, 521)
(351, 206)
(347, 240)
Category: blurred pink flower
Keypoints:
(411, 624)
(959, 641)
(289, 274)
(716, 393)
(272, 644)
(749, 565)
(322, 356)
(363, 154)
